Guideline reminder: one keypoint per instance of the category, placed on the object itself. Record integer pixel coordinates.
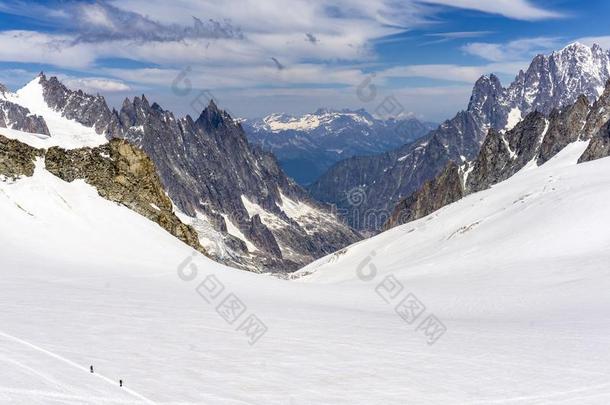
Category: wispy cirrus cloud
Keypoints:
(513, 50)
(603, 41)
(454, 73)
(441, 37)
(517, 9)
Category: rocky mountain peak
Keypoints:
(212, 117)
(575, 47)
(558, 79)
(90, 111)
(533, 141)
(230, 191)
(488, 96)
(17, 117)
(486, 84)
(575, 74)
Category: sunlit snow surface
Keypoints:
(65, 133)
(518, 274)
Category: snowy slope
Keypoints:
(66, 133)
(518, 274)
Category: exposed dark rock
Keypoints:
(208, 168)
(599, 146)
(91, 111)
(124, 174)
(17, 117)
(16, 158)
(262, 237)
(503, 155)
(488, 102)
(565, 127)
(551, 82)
(444, 189)
(535, 139)
(598, 115)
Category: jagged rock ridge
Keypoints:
(247, 213)
(533, 141)
(91, 111)
(551, 81)
(213, 174)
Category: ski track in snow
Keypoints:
(72, 364)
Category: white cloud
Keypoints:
(450, 36)
(13, 78)
(221, 58)
(449, 72)
(35, 47)
(210, 77)
(95, 84)
(517, 9)
(513, 50)
(603, 41)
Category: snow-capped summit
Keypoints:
(309, 144)
(558, 79)
(550, 82)
(280, 122)
(66, 118)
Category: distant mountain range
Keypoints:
(379, 182)
(308, 145)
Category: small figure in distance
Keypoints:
(120, 383)
(91, 369)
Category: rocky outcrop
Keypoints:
(17, 117)
(262, 237)
(444, 189)
(535, 140)
(504, 154)
(598, 115)
(599, 146)
(550, 82)
(16, 158)
(565, 127)
(124, 174)
(119, 171)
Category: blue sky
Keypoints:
(256, 57)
